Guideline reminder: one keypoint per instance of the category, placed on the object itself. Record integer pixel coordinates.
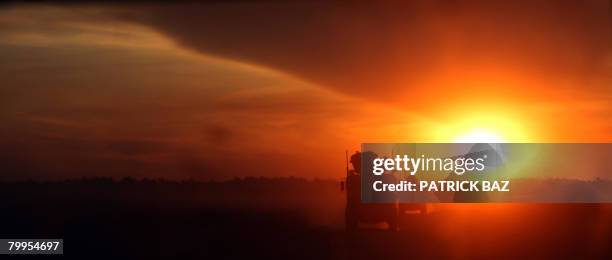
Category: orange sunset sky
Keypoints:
(213, 91)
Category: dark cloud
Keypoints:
(392, 50)
(72, 107)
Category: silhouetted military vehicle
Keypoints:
(358, 213)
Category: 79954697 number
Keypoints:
(31, 246)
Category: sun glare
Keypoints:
(479, 136)
(483, 128)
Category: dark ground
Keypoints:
(100, 218)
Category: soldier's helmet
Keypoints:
(357, 158)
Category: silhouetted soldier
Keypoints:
(357, 211)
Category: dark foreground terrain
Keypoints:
(284, 218)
